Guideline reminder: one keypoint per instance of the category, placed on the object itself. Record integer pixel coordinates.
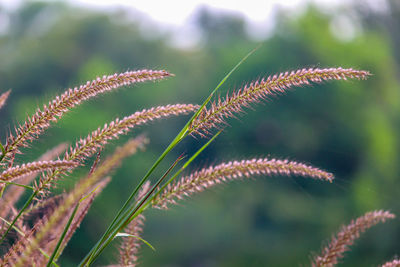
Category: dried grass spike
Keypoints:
(393, 263)
(3, 98)
(88, 146)
(13, 192)
(219, 110)
(43, 209)
(12, 255)
(207, 177)
(51, 112)
(76, 194)
(16, 172)
(339, 244)
(130, 245)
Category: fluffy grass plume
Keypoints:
(233, 170)
(221, 109)
(51, 112)
(340, 243)
(88, 146)
(4, 97)
(77, 193)
(13, 192)
(12, 174)
(393, 263)
(56, 218)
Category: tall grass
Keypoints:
(43, 243)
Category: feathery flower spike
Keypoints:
(3, 98)
(43, 209)
(207, 177)
(393, 263)
(86, 147)
(16, 172)
(13, 254)
(340, 243)
(220, 109)
(51, 112)
(13, 192)
(76, 194)
(98, 138)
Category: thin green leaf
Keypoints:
(21, 185)
(14, 227)
(26, 205)
(138, 237)
(3, 152)
(187, 126)
(64, 233)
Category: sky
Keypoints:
(176, 12)
(175, 15)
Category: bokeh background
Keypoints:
(349, 128)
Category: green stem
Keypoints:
(55, 252)
(27, 203)
(21, 185)
(3, 152)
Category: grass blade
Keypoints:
(53, 255)
(138, 237)
(128, 216)
(181, 135)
